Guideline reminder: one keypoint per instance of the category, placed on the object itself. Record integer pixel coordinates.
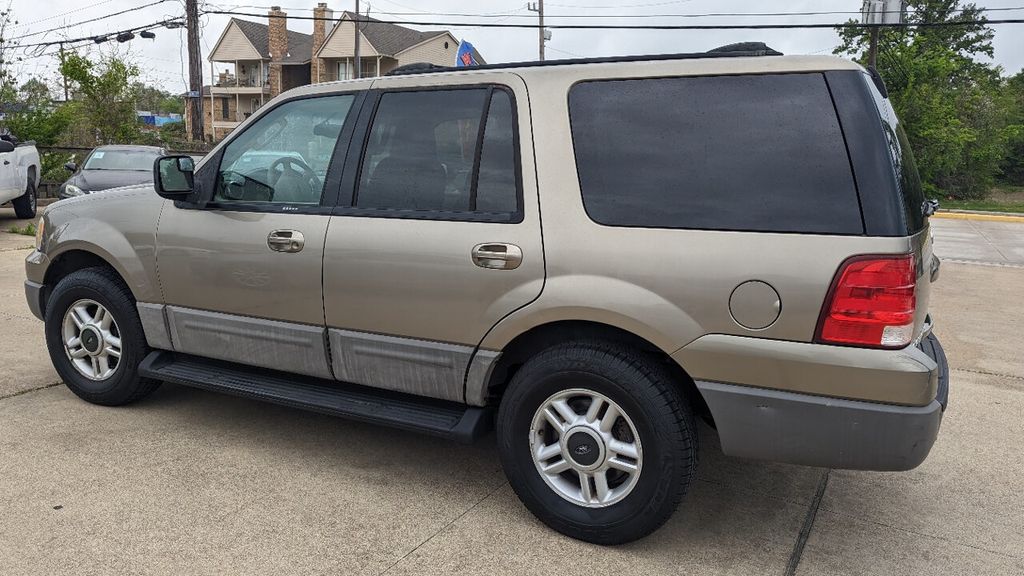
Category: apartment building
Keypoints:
(253, 62)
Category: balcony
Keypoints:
(253, 79)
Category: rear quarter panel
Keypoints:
(669, 286)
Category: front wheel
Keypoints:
(95, 338)
(25, 205)
(597, 441)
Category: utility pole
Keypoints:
(64, 77)
(877, 13)
(195, 80)
(873, 49)
(358, 68)
(538, 7)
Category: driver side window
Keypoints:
(283, 157)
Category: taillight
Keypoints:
(871, 303)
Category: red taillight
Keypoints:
(871, 303)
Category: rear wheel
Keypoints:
(95, 338)
(597, 441)
(25, 205)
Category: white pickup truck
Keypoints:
(19, 174)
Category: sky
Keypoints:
(161, 60)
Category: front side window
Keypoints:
(283, 157)
(450, 151)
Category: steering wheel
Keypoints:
(290, 163)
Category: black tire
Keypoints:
(25, 205)
(104, 286)
(645, 390)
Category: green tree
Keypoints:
(105, 94)
(1012, 169)
(953, 105)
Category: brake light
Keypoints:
(871, 303)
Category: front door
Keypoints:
(442, 238)
(241, 277)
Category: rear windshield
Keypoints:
(759, 153)
(907, 178)
(141, 160)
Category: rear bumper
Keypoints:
(828, 432)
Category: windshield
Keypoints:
(121, 160)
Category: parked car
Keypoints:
(109, 167)
(594, 253)
(19, 173)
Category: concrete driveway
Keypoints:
(188, 482)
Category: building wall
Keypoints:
(433, 51)
(235, 46)
(342, 42)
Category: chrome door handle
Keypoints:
(286, 240)
(497, 256)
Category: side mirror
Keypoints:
(71, 167)
(172, 176)
(6, 146)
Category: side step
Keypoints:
(434, 417)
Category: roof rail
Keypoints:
(418, 68)
(741, 49)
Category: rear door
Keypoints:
(437, 236)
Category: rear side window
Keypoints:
(446, 154)
(758, 153)
(907, 178)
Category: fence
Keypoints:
(55, 175)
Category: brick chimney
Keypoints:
(317, 67)
(278, 44)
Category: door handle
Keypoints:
(286, 240)
(497, 256)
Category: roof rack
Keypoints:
(741, 49)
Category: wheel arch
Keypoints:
(74, 259)
(527, 344)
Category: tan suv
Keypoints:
(589, 254)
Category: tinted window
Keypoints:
(761, 153)
(421, 153)
(283, 157)
(907, 178)
(107, 159)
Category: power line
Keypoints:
(97, 19)
(93, 5)
(518, 14)
(173, 22)
(944, 24)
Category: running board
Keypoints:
(426, 415)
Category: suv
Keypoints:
(592, 255)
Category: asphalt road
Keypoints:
(189, 482)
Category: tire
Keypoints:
(655, 411)
(25, 205)
(120, 383)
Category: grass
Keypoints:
(28, 230)
(1002, 199)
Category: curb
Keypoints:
(984, 216)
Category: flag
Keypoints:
(464, 57)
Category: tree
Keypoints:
(157, 100)
(953, 106)
(1012, 168)
(8, 93)
(105, 94)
